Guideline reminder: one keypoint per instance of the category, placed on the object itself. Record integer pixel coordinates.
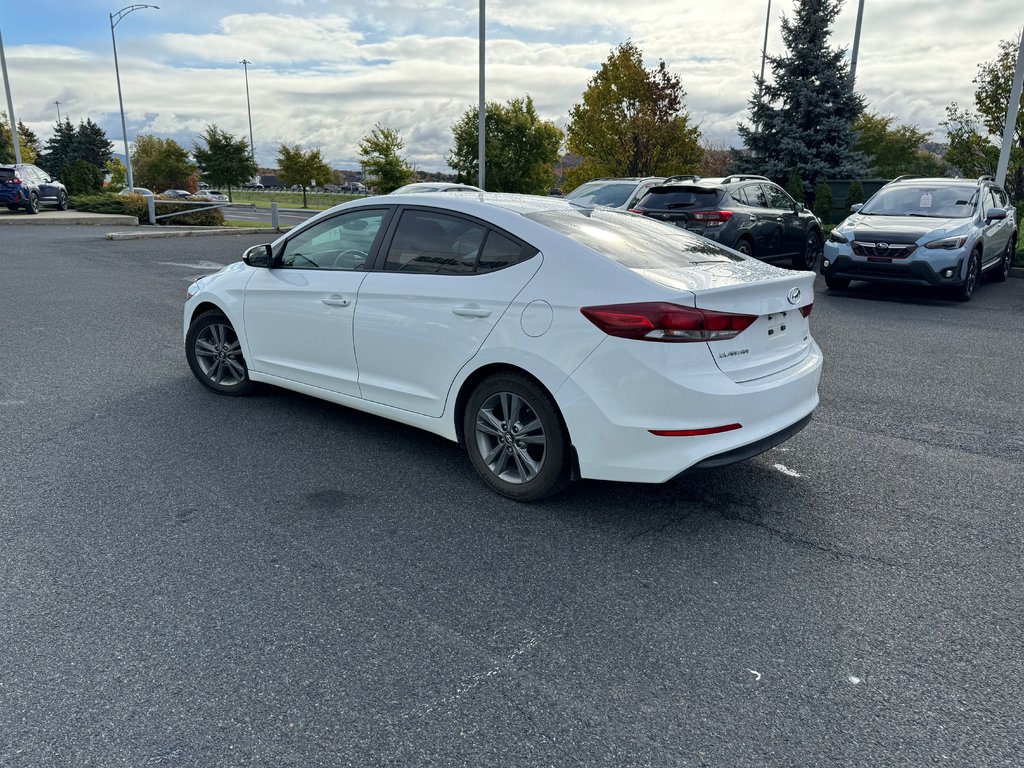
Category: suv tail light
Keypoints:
(806, 310)
(636, 210)
(711, 218)
(14, 180)
(661, 321)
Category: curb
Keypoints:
(70, 221)
(192, 233)
(1016, 271)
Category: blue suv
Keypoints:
(26, 186)
(923, 231)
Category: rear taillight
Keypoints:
(806, 311)
(661, 321)
(15, 180)
(636, 210)
(711, 218)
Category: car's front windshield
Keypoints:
(936, 201)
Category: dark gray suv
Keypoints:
(747, 213)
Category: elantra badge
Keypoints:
(794, 296)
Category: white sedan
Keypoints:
(552, 341)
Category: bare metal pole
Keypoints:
(252, 147)
(58, 110)
(764, 51)
(482, 119)
(115, 19)
(10, 104)
(856, 43)
(1011, 116)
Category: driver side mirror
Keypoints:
(995, 214)
(798, 208)
(856, 207)
(259, 256)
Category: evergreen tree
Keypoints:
(823, 202)
(59, 150)
(795, 186)
(855, 195)
(92, 144)
(805, 116)
(225, 161)
(522, 149)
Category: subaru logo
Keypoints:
(794, 296)
(882, 246)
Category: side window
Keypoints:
(41, 175)
(342, 242)
(778, 197)
(500, 252)
(757, 197)
(739, 194)
(434, 243)
(27, 174)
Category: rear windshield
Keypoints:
(679, 198)
(935, 201)
(612, 194)
(7, 173)
(633, 241)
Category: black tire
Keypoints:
(215, 356)
(62, 200)
(33, 203)
(745, 246)
(837, 283)
(502, 408)
(812, 250)
(964, 291)
(1000, 273)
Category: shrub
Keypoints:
(135, 205)
(854, 196)
(795, 187)
(823, 202)
(82, 178)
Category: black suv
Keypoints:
(26, 186)
(747, 213)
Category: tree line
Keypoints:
(807, 125)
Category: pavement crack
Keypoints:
(793, 539)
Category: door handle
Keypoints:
(334, 300)
(471, 311)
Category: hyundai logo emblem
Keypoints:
(794, 296)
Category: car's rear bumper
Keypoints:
(610, 404)
(13, 196)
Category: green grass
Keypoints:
(315, 201)
(247, 224)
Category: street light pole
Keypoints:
(764, 51)
(856, 43)
(10, 104)
(1012, 108)
(252, 147)
(482, 119)
(115, 19)
(58, 110)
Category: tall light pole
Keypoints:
(58, 110)
(856, 43)
(252, 147)
(115, 19)
(764, 51)
(1013, 106)
(482, 119)
(10, 104)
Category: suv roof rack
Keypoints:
(985, 177)
(906, 176)
(743, 177)
(682, 177)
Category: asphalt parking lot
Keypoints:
(191, 580)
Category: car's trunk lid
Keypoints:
(778, 339)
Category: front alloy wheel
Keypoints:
(215, 355)
(965, 291)
(515, 438)
(812, 247)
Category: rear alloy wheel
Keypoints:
(812, 248)
(215, 355)
(745, 247)
(966, 290)
(837, 283)
(515, 438)
(62, 201)
(1000, 273)
(33, 203)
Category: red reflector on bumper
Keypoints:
(694, 432)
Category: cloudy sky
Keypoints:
(324, 72)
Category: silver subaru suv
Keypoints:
(925, 231)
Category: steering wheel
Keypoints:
(295, 256)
